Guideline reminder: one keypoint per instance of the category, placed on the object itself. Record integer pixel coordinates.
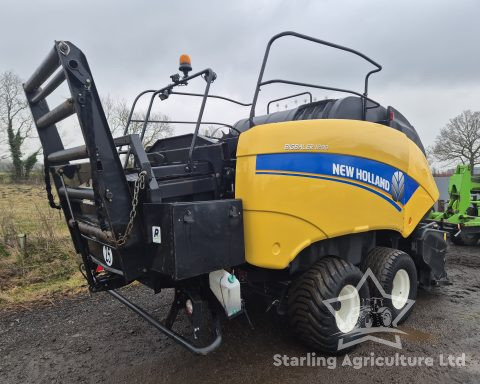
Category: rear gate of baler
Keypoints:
(119, 220)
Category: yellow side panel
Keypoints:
(415, 210)
(292, 201)
(274, 237)
(419, 170)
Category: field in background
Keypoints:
(36, 177)
(48, 265)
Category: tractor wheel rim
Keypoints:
(400, 289)
(346, 318)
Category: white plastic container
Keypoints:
(226, 288)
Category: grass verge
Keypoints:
(47, 267)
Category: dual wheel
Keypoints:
(334, 299)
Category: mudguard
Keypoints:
(429, 248)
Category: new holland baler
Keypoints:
(293, 205)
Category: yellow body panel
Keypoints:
(305, 181)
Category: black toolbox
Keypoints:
(187, 239)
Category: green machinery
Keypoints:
(461, 216)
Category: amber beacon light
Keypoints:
(185, 64)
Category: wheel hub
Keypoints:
(347, 316)
(400, 289)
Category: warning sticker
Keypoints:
(156, 235)
(107, 255)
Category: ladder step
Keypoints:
(43, 72)
(80, 152)
(77, 193)
(65, 155)
(60, 112)
(90, 230)
(49, 88)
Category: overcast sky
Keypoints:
(428, 49)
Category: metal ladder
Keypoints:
(110, 193)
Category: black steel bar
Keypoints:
(49, 88)
(288, 97)
(132, 109)
(130, 115)
(312, 39)
(122, 140)
(152, 98)
(125, 131)
(96, 240)
(137, 148)
(57, 114)
(90, 230)
(43, 72)
(75, 153)
(77, 193)
(103, 287)
(147, 116)
(74, 226)
(209, 78)
(80, 152)
(213, 97)
(175, 170)
(167, 88)
(365, 92)
(281, 81)
(67, 197)
(183, 122)
(174, 336)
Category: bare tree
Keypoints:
(215, 131)
(208, 131)
(117, 112)
(15, 124)
(459, 140)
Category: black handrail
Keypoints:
(182, 122)
(209, 77)
(229, 126)
(167, 91)
(281, 81)
(132, 110)
(288, 97)
(260, 81)
(213, 97)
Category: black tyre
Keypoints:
(464, 239)
(396, 273)
(313, 297)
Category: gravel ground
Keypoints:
(95, 339)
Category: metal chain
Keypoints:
(139, 185)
